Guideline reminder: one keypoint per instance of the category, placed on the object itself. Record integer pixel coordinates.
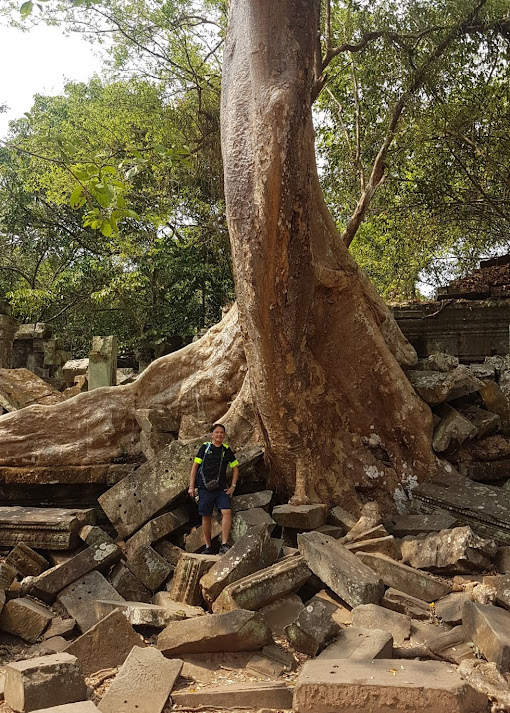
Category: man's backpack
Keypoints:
(213, 483)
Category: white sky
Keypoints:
(39, 61)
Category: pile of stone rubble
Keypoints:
(311, 610)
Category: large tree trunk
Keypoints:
(337, 414)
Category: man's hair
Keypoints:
(218, 425)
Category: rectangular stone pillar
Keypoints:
(8, 327)
(103, 362)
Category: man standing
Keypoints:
(209, 475)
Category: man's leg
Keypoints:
(226, 525)
(206, 529)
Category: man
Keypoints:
(211, 465)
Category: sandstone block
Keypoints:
(54, 580)
(435, 387)
(78, 598)
(92, 535)
(105, 645)
(26, 561)
(149, 567)
(83, 707)
(7, 575)
(418, 524)
(331, 530)
(261, 499)
(281, 612)
(454, 551)
(449, 608)
(339, 569)
(139, 613)
(194, 542)
(143, 684)
(238, 630)
(300, 517)
(248, 555)
(261, 694)
(356, 643)
(342, 614)
(264, 666)
(245, 519)
(383, 545)
(263, 587)
(452, 431)
(313, 627)
(25, 618)
(128, 586)
(371, 534)
(54, 645)
(44, 681)
(184, 611)
(405, 579)
(60, 627)
(371, 616)
(405, 604)
(340, 517)
(168, 551)
(488, 627)
(156, 529)
(189, 571)
(437, 362)
(502, 560)
(359, 686)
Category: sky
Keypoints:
(39, 61)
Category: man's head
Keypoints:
(218, 434)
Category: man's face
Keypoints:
(218, 436)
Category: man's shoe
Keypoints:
(223, 549)
(208, 551)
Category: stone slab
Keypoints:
(143, 684)
(195, 542)
(60, 627)
(25, 618)
(185, 586)
(82, 707)
(406, 604)
(384, 545)
(342, 518)
(185, 611)
(78, 598)
(300, 517)
(238, 630)
(340, 569)
(449, 608)
(418, 524)
(128, 586)
(43, 681)
(260, 499)
(44, 528)
(257, 695)
(453, 551)
(371, 616)
(20, 388)
(488, 627)
(245, 519)
(313, 628)
(26, 561)
(156, 529)
(365, 686)
(149, 567)
(168, 551)
(405, 579)
(281, 613)
(105, 645)
(139, 613)
(358, 643)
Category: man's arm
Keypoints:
(235, 477)
(192, 478)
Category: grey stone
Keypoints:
(281, 612)
(92, 535)
(502, 560)
(341, 518)
(300, 517)
(143, 684)
(60, 627)
(365, 686)
(25, 618)
(26, 561)
(53, 645)
(456, 551)
(195, 541)
(406, 604)
(340, 569)
(484, 421)
(139, 613)
(488, 627)
(313, 628)
(438, 361)
(405, 579)
(246, 519)
(184, 611)
(149, 567)
(168, 551)
(261, 499)
(263, 587)
(383, 545)
(453, 430)
(248, 555)
(103, 362)
(418, 524)
(156, 529)
(190, 569)
(238, 630)
(83, 707)
(128, 586)
(371, 616)
(78, 598)
(43, 681)
(357, 643)
(449, 608)
(435, 387)
(256, 695)
(105, 645)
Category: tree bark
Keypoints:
(337, 414)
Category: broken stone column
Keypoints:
(103, 362)
(188, 573)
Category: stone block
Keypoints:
(502, 560)
(261, 499)
(437, 362)
(105, 645)
(452, 431)
(149, 567)
(129, 586)
(92, 536)
(488, 627)
(194, 542)
(246, 519)
(273, 695)
(263, 666)
(143, 684)
(313, 628)
(184, 611)
(449, 608)
(281, 612)
(365, 686)
(189, 571)
(405, 579)
(152, 419)
(139, 613)
(371, 616)
(169, 551)
(300, 517)
(496, 402)
(156, 529)
(341, 518)
(342, 614)
(340, 570)
(248, 555)
(60, 627)
(435, 387)
(54, 645)
(484, 421)
(238, 630)
(26, 561)
(383, 545)
(331, 530)
(74, 368)
(356, 643)
(456, 551)
(20, 388)
(371, 534)
(78, 598)
(83, 707)
(406, 604)
(418, 524)
(25, 618)
(7, 575)
(54, 580)
(263, 587)
(103, 362)
(44, 681)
